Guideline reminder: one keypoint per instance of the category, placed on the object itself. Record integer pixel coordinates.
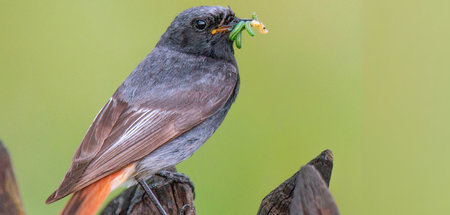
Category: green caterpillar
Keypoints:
(236, 33)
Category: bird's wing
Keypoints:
(122, 133)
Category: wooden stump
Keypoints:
(10, 201)
(306, 192)
(174, 196)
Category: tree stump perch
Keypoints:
(10, 201)
(176, 197)
(311, 195)
(305, 193)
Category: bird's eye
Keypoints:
(200, 24)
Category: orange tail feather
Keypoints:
(88, 200)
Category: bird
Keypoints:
(169, 105)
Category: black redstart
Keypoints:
(171, 103)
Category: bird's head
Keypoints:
(202, 31)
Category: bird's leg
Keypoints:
(171, 176)
(151, 195)
(183, 209)
(176, 177)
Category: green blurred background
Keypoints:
(367, 79)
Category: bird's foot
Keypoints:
(175, 177)
(184, 209)
(152, 196)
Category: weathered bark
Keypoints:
(10, 200)
(306, 192)
(174, 196)
(311, 195)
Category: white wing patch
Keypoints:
(138, 127)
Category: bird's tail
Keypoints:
(88, 200)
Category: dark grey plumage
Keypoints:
(168, 107)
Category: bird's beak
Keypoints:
(222, 29)
(227, 28)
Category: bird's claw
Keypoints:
(183, 209)
(176, 177)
